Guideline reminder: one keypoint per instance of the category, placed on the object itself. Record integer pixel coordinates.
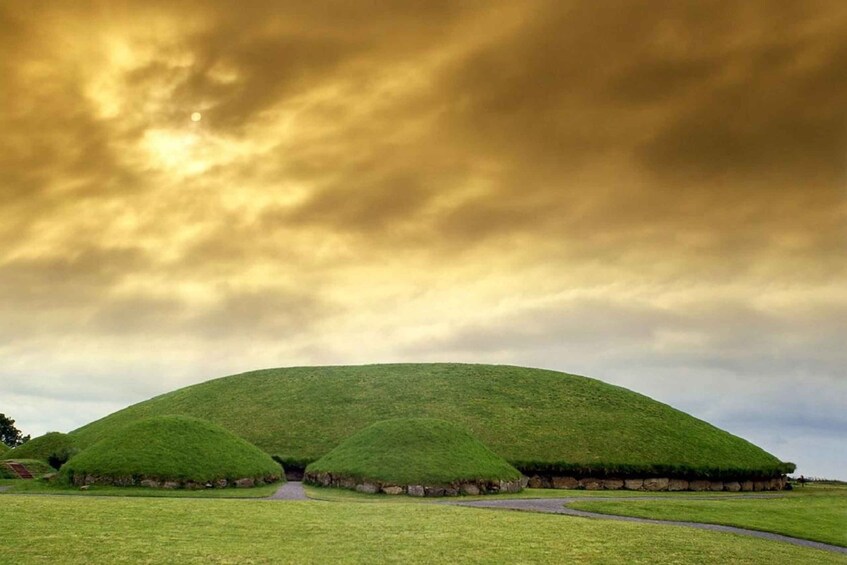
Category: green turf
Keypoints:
(176, 448)
(414, 451)
(42, 447)
(531, 417)
(35, 466)
(73, 530)
(818, 516)
(3, 448)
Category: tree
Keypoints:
(9, 434)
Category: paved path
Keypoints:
(292, 490)
(559, 506)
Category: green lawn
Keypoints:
(527, 416)
(52, 529)
(414, 451)
(818, 514)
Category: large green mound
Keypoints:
(178, 449)
(43, 448)
(3, 448)
(538, 420)
(414, 451)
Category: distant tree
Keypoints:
(9, 434)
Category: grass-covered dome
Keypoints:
(52, 447)
(173, 449)
(414, 451)
(3, 448)
(535, 419)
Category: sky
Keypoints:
(650, 193)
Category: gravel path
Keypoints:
(292, 490)
(559, 506)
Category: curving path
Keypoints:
(559, 506)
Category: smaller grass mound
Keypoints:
(3, 448)
(172, 452)
(54, 448)
(36, 467)
(413, 452)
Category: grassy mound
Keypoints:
(171, 448)
(538, 420)
(414, 451)
(3, 448)
(51, 447)
(36, 467)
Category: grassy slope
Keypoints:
(3, 448)
(414, 451)
(523, 415)
(42, 447)
(173, 447)
(816, 515)
(37, 529)
(35, 466)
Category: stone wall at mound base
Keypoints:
(140, 481)
(467, 487)
(655, 484)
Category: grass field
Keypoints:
(528, 416)
(818, 514)
(416, 451)
(52, 529)
(173, 448)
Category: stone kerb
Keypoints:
(455, 488)
(140, 481)
(654, 484)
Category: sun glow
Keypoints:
(176, 151)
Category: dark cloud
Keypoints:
(53, 282)
(775, 121)
(271, 53)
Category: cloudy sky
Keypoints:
(651, 193)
